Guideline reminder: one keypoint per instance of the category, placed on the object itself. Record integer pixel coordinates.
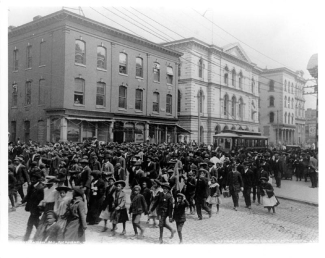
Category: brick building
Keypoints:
(280, 116)
(72, 78)
(219, 86)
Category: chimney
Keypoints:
(10, 28)
(37, 17)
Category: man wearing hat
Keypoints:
(235, 185)
(202, 193)
(190, 190)
(35, 194)
(21, 176)
(85, 177)
(150, 169)
(164, 202)
(248, 180)
(138, 173)
(119, 172)
(278, 170)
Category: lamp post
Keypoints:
(312, 68)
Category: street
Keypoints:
(293, 223)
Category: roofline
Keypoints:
(62, 12)
(283, 69)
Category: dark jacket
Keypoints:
(190, 186)
(109, 198)
(147, 195)
(164, 202)
(179, 211)
(119, 173)
(138, 205)
(85, 177)
(234, 181)
(34, 196)
(248, 178)
(202, 188)
(22, 175)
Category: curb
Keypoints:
(297, 200)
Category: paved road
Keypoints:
(293, 223)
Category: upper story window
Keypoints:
(271, 101)
(41, 92)
(101, 94)
(292, 119)
(169, 101)
(241, 108)
(80, 52)
(292, 90)
(14, 95)
(285, 101)
(289, 102)
(200, 68)
(15, 58)
(240, 80)
(226, 78)
(42, 53)
(29, 56)
(233, 106)
(271, 117)
(292, 103)
(155, 102)
(123, 63)
(156, 72)
(101, 58)
(285, 117)
(170, 75)
(79, 91)
(179, 101)
(233, 77)
(253, 85)
(201, 101)
(122, 102)
(139, 67)
(285, 85)
(225, 105)
(28, 93)
(138, 99)
(179, 69)
(289, 118)
(271, 85)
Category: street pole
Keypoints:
(277, 125)
(199, 118)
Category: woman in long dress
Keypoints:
(268, 197)
(107, 206)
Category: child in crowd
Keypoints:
(179, 214)
(214, 193)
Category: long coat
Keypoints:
(85, 177)
(35, 194)
(109, 198)
(248, 178)
(202, 188)
(22, 175)
(234, 181)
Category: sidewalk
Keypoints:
(297, 191)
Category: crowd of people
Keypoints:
(72, 185)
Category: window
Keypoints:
(233, 78)
(253, 85)
(170, 75)
(225, 105)
(14, 95)
(271, 117)
(292, 103)
(27, 130)
(28, 96)
(169, 100)
(285, 101)
(79, 91)
(292, 119)
(139, 67)
(42, 54)
(233, 106)
(100, 94)
(123, 66)
(201, 101)
(285, 85)
(240, 80)
(155, 102)
(241, 108)
(122, 97)
(101, 57)
(15, 65)
(271, 101)
(29, 56)
(285, 117)
(292, 88)
(13, 131)
(138, 99)
(226, 78)
(200, 68)
(41, 92)
(253, 115)
(288, 102)
(80, 54)
(179, 69)
(156, 72)
(179, 101)
(271, 85)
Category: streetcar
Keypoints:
(230, 140)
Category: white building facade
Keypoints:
(218, 89)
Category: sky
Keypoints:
(272, 33)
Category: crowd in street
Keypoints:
(73, 185)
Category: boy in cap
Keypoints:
(201, 194)
(137, 207)
(179, 214)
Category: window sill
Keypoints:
(168, 84)
(155, 113)
(15, 107)
(156, 82)
(123, 74)
(28, 69)
(140, 78)
(16, 71)
(40, 105)
(27, 106)
(169, 114)
(122, 109)
(100, 107)
(41, 66)
(138, 111)
(82, 65)
(78, 105)
(101, 69)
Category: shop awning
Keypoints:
(87, 119)
(182, 130)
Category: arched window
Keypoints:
(139, 67)
(200, 68)
(226, 78)
(285, 85)
(169, 101)
(123, 65)
(241, 109)
(170, 75)
(29, 56)
(156, 72)
(233, 106)
(179, 69)
(100, 95)
(253, 85)
(271, 101)
(271, 85)
(271, 117)
(292, 119)
(292, 87)
(285, 101)
(101, 57)
(155, 102)
(226, 128)
(217, 129)
(292, 103)
(289, 120)
(201, 101)
(138, 99)
(299, 110)
(285, 117)
(289, 102)
(14, 95)
(122, 97)
(179, 101)
(225, 104)
(79, 91)
(80, 52)
(233, 77)
(240, 80)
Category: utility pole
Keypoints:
(277, 125)
(199, 117)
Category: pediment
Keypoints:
(237, 51)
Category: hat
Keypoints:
(120, 182)
(210, 162)
(111, 178)
(63, 188)
(165, 185)
(85, 161)
(36, 175)
(170, 171)
(78, 190)
(61, 177)
(203, 170)
(181, 195)
(138, 163)
(96, 173)
(137, 187)
(51, 181)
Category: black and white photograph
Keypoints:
(161, 124)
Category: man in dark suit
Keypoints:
(85, 178)
(278, 170)
(21, 176)
(35, 194)
(313, 164)
(235, 185)
(119, 172)
(248, 180)
(150, 169)
(201, 194)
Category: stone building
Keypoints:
(310, 128)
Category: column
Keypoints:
(146, 131)
(293, 137)
(157, 133)
(96, 130)
(48, 129)
(282, 141)
(63, 129)
(166, 130)
(110, 131)
(123, 131)
(175, 134)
